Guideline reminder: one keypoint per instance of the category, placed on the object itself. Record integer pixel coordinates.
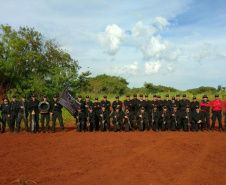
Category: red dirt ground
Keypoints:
(147, 158)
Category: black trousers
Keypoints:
(21, 117)
(45, 116)
(206, 119)
(175, 126)
(127, 127)
(13, 118)
(36, 121)
(142, 126)
(57, 115)
(105, 125)
(216, 115)
(81, 126)
(202, 124)
(5, 119)
(117, 126)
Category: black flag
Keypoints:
(69, 102)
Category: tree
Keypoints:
(107, 84)
(30, 63)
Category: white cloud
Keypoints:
(111, 39)
(152, 67)
(170, 67)
(161, 23)
(151, 45)
(124, 69)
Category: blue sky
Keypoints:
(173, 43)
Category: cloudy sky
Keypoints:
(178, 43)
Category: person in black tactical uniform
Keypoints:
(33, 110)
(142, 120)
(177, 101)
(104, 119)
(186, 117)
(117, 103)
(135, 104)
(148, 110)
(22, 114)
(165, 119)
(117, 119)
(183, 103)
(198, 120)
(128, 103)
(106, 103)
(175, 119)
(96, 109)
(82, 103)
(173, 102)
(5, 107)
(167, 102)
(91, 123)
(155, 117)
(80, 120)
(129, 121)
(13, 112)
(45, 115)
(56, 112)
(142, 102)
(193, 104)
(88, 103)
(160, 102)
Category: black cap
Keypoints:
(33, 95)
(87, 96)
(117, 108)
(79, 108)
(96, 98)
(14, 96)
(173, 98)
(165, 107)
(167, 95)
(184, 95)
(127, 95)
(175, 105)
(135, 95)
(105, 96)
(187, 106)
(154, 105)
(103, 105)
(54, 96)
(141, 95)
(23, 96)
(45, 96)
(90, 107)
(177, 95)
(197, 107)
(154, 95)
(79, 96)
(116, 97)
(5, 98)
(159, 96)
(127, 107)
(146, 95)
(194, 97)
(216, 95)
(142, 108)
(205, 96)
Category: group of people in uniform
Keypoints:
(13, 112)
(141, 114)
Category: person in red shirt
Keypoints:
(205, 108)
(224, 116)
(217, 105)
